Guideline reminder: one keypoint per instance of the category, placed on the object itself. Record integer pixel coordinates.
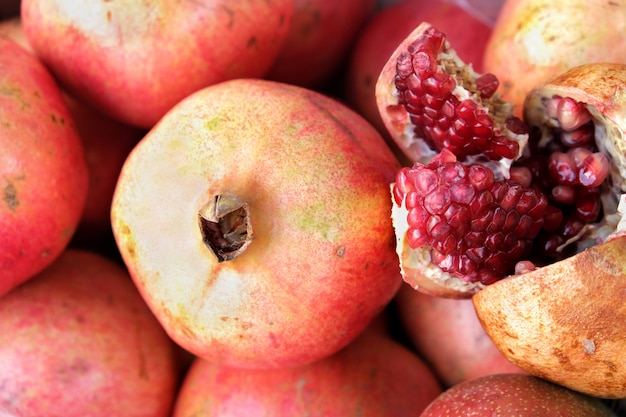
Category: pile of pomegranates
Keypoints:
(300, 207)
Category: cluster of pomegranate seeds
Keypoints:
(443, 120)
(477, 228)
(476, 225)
(571, 172)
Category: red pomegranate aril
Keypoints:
(521, 175)
(594, 170)
(588, 208)
(584, 135)
(562, 169)
(455, 203)
(564, 194)
(571, 114)
(487, 84)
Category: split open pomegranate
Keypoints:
(492, 200)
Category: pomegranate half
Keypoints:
(566, 321)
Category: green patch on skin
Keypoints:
(214, 123)
(9, 196)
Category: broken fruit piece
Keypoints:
(566, 321)
(489, 195)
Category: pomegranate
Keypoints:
(388, 27)
(321, 35)
(533, 40)
(490, 197)
(581, 342)
(254, 218)
(43, 173)
(504, 395)
(106, 142)
(78, 340)
(134, 60)
(373, 376)
(448, 335)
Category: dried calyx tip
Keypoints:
(225, 226)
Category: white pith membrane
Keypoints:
(609, 140)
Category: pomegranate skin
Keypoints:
(315, 177)
(321, 35)
(449, 336)
(565, 322)
(83, 343)
(387, 28)
(117, 56)
(43, 172)
(372, 376)
(533, 40)
(503, 395)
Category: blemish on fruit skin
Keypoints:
(252, 42)
(9, 196)
(589, 346)
(341, 251)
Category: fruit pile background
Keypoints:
(413, 351)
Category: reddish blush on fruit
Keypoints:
(254, 218)
(83, 343)
(447, 334)
(134, 61)
(503, 395)
(321, 36)
(533, 40)
(43, 172)
(374, 375)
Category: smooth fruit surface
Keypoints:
(43, 172)
(307, 249)
(533, 40)
(135, 60)
(372, 376)
(504, 395)
(449, 336)
(78, 340)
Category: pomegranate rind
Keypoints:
(565, 322)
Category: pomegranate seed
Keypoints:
(594, 170)
(487, 84)
(564, 194)
(572, 114)
(522, 175)
(562, 169)
(422, 63)
(578, 137)
(523, 267)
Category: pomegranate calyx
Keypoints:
(225, 226)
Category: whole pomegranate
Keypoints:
(254, 218)
(373, 376)
(490, 196)
(533, 40)
(447, 334)
(78, 340)
(43, 172)
(134, 60)
(504, 395)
